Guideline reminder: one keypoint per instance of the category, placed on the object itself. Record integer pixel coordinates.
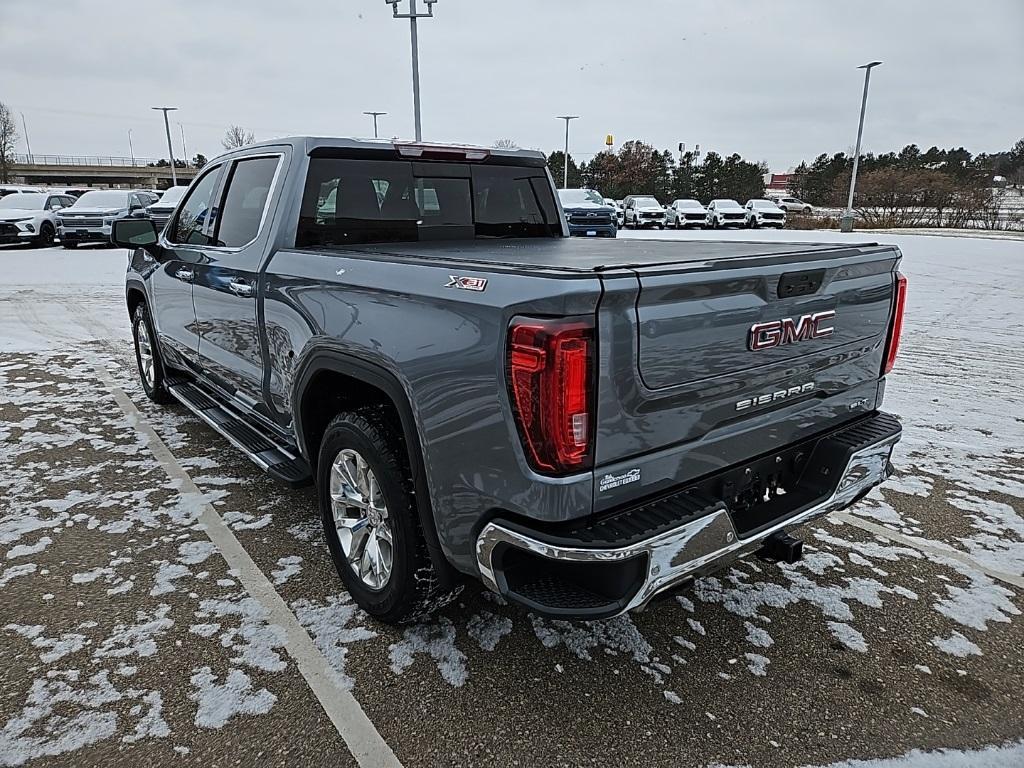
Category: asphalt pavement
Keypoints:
(165, 603)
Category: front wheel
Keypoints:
(147, 357)
(46, 235)
(369, 515)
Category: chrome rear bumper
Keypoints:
(694, 549)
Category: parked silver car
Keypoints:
(792, 205)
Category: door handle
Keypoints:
(240, 288)
(185, 274)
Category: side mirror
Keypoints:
(133, 233)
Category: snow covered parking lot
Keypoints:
(135, 632)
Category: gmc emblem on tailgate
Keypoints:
(790, 331)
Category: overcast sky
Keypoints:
(774, 80)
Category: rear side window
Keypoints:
(372, 201)
(247, 191)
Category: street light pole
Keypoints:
(846, 225)
(412, 16)
(565, 158)
(170, 148)
(375, 115)
(28, 144)
(131, 147)
(184, 147)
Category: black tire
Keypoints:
(412, 591)
(807, 210)
(68, 245)
(155, 389)
(46, 235)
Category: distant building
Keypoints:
(778, 182)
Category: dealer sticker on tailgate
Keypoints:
(610, 481)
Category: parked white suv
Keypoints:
(725, 213)
(19, 189)
(793, 204)
(31, 217)
(764, 213)
(685, 213)
(643, 211)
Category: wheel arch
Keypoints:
(134, 294)
(328, 365)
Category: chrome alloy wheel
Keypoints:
(361, 519)
(146, 362)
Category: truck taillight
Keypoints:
(550, 370)
(897, 323)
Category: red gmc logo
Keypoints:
(790, 331)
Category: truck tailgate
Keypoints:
(707, 365)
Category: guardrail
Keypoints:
(90, 160)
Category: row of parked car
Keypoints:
(590, 214)
(38, 215)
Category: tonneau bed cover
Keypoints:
(576, 255)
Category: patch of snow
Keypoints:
(334, 626)
(956, 645)
(488, 628)
(848, 636)
(757, 664)
(219, 702)
(286, 568)
(436, 640)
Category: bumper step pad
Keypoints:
(279, 459)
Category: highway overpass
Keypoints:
(68, 170)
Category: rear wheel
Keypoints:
(147, 357)
(370, 520)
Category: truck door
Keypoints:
(226, 282)
(182, 248)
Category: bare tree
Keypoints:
(505, 144)
(236, 136)
(8, 140)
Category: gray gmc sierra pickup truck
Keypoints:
(580, 424)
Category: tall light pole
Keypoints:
(184, 148)
(131, 147)
(170, 149)
(412, 16)
(565, 158)
(846, 225)
(28, 144)
(375, 116)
